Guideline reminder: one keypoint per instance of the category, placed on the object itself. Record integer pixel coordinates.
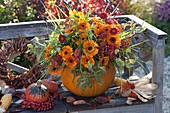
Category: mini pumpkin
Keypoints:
(37, 92)
(52, 86)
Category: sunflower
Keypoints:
(54, 70)
(83, 26)
(85, 61)
(66, 52)
(71, 61)
(97, 28)
(69, 30)
(90, 48)
(106, 28)
(104, 60)
(114, 39)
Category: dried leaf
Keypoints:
(79, 102)
(148, 87)
(102, 100)
(70, 99)
(19, 101)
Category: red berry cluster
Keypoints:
(38, 106)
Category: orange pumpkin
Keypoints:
(37, 92)
(52, 86)
(96, 89)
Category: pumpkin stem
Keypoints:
(39, 82)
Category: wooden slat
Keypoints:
(157, 74)
(16, 67)
(144, 108)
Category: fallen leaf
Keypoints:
(102, 100)
(70, 99)
(78, 102)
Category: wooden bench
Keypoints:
(156, 42)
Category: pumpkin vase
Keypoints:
(71, 83)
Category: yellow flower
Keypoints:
(83, 26)
(66, 52)
(71, 61)
(97, 28)
(90, 48)
(113, 39)
(72, 13)
(104, 60)
(95, 20)
(85, 61)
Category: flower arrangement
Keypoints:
(88, 44)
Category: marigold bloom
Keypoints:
(97, 28)
(113, 39)
(66, 52)
(104, 60)
(70, 61)
(90, 48)
(85, 61)
(83, 26)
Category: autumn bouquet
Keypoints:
(87, 45)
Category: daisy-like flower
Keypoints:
(61, 38)
(106, 28)
(69, 30)
(82, 39)
(85, 61)
(113, 39)
(72, 13)
(90, 48)
(66, 52)
(47, 52)
(70, 61)
(104, 60)
(54, 70)
(83, 26)
(97, 28)
(95, 20)
(114, 30)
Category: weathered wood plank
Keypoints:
(145, 108)
(158, 70)
(16, 67)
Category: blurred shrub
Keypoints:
(16, 11)
(141, 8)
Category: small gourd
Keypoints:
(37, 92)
(52, 86)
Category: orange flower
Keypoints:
(90, 48)
(83, 26)
(82, 38)
(97, 28)
(69, 30)
(53, 70)
(47, 52)
(71, 61)
(104, 60)
(85, 61)
(95, 20)
(114, 39)
(106, 28)
(66, 52)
